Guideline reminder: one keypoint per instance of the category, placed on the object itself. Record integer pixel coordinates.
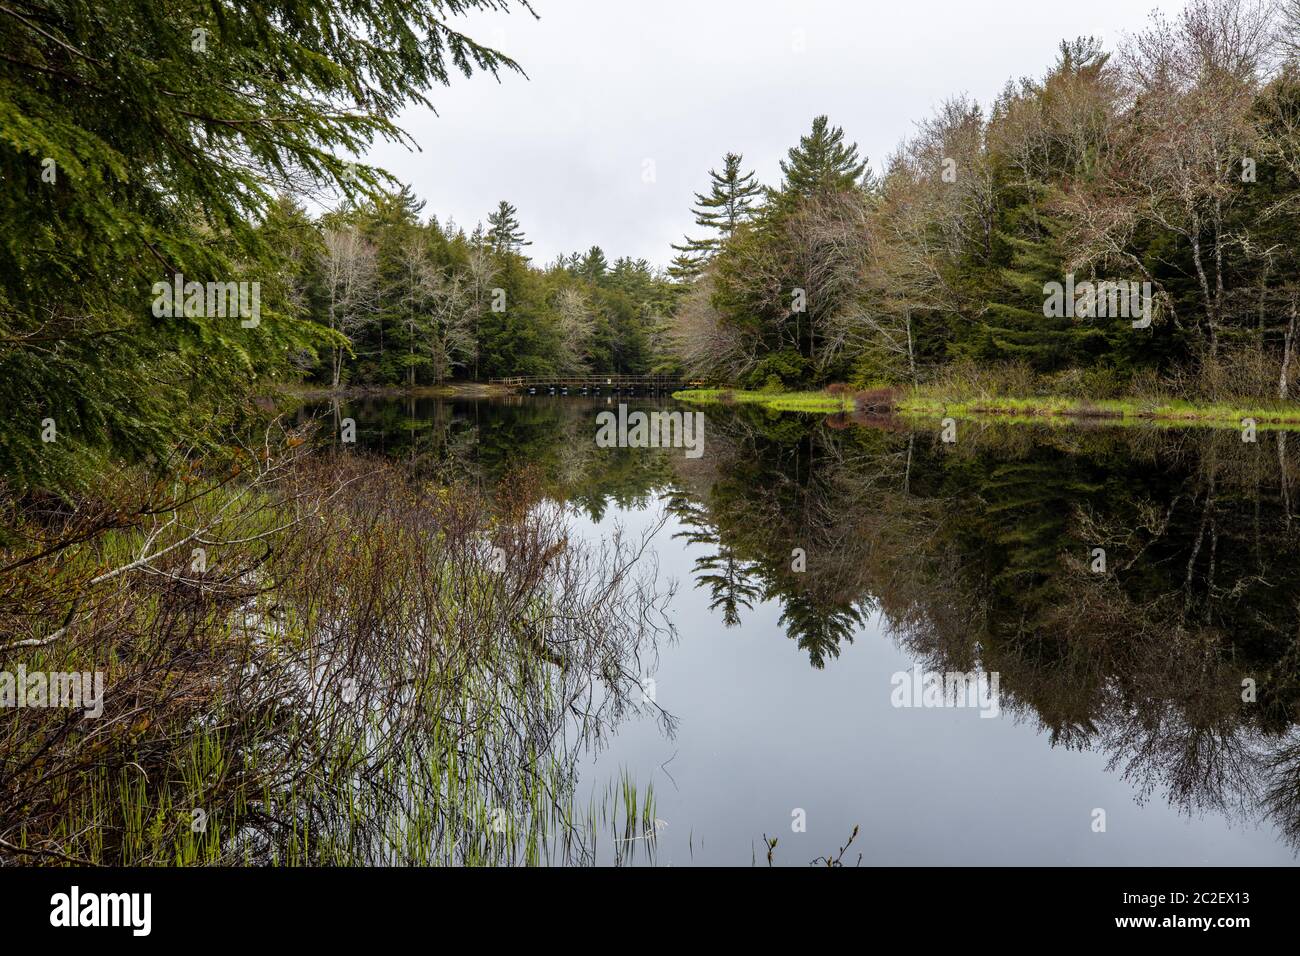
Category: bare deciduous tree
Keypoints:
(577, 324)
(351, 287)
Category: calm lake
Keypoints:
(1123, 602)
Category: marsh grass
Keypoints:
(367, 669)
(1014, 393)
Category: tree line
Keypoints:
(1171, 164)
(412, 301)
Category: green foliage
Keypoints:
(505, 234)
(453, 305)
(782, 369)
(144, 140)
(822, 163)
(783, 274)
(1013, 326)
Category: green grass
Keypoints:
(1036, 409)
(821, 402)
(1119, 411)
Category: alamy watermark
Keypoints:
(77, 691)
(651, 430)
(918, 688)
(209, 300)
(75, 908)
(1098, 300)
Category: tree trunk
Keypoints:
(911, 354)
(1284, 379)
(1211, 314)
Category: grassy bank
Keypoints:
(822, 402)
(1120, 410)
(1031, 409)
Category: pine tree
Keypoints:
(822, 163)
(731, 196)
(1012, 326)
(685, 266)
(594, 265)
(505, 233)
(728, 204)
(818, 626)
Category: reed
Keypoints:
(314, 658)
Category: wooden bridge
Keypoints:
(594, 383)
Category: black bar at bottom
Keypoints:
(332, 906)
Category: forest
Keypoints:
(189, 247)
(180, 158)
(1170, 163)
(414, 302)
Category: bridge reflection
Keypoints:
(595, 383)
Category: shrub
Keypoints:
(876, 399)
(780, 370)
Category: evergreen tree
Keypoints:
(731, 196)
(391, 223)
(1013, 326)
(594, 265)
(505, 233)
(728, 203)
(822, 163)
(685, 266)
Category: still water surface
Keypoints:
(1119, 689)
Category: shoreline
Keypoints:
(1051, 409)
(1047, 409)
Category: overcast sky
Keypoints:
(628, 104)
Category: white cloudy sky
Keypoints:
(613, 84)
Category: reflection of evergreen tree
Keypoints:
(981, 556)
(484, 443)
(727, 577)
(1026, 507)
(781, 484)
(729, 582)
(817, 628)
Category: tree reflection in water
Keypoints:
(1179, 660)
